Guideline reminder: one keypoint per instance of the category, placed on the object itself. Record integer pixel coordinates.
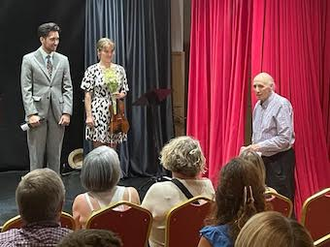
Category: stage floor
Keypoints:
(9, 181)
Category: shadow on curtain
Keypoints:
(141, 31)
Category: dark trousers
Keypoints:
(280, 172)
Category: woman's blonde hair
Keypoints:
(183, 155)
(272, 229)
(104, 42)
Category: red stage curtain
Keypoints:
(220, 34)
(324, 87)
(288, 39)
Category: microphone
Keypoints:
(26, 126)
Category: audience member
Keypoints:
(39, 196)
(183, 156)
(256, 159)
(272, 229)
(90, 238)
(239, 195)
(99, 175)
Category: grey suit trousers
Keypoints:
(46, 139)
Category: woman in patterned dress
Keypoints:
(104, 82)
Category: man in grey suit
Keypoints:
(47, 98)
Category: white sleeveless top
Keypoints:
(116, 194)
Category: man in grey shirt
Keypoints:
(273, 135)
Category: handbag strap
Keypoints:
(183, 188)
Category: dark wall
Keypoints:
(18, 35)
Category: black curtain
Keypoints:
(18, 29)
(141, 31)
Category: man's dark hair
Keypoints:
(90, 237)
(44, 29)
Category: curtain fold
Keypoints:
(231, 42)
(220, 44)
(292, 52)
(325, 70)
(141, 31)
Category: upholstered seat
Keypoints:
(279, 203)
(129, 221)
(66, 220)
(184, 221)
(315, 214)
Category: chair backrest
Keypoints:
(66, 220)
(15, 222)
(279, 203)
(323, 242)
(131, 223)
(184, 221)
(315, 214)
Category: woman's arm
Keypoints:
(88, 109)
(76, 211)
(203, 242)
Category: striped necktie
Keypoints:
(49, 66)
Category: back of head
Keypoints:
(239, 195)
(272, 229)
(46, 28)
(89, 238)
(40, 196)
(255, 159)
(183, 155)
(101, 170)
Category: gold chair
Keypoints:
(315, 214)
(323, 242)
(66, 220)
(183, 222)
(279, 203)
(129, 221)
(15, 222)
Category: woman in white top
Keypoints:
(184, 157)
(99, 176)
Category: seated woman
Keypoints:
(99, 176)
(184, 158)
(272, 229)
(256, 159)
(239, 195)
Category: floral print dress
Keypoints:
(94, 82)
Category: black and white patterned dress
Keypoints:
(94, 82)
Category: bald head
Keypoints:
(265, 78)
(263, 85)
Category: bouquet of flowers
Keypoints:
(111, 80)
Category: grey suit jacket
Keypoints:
(40, 92)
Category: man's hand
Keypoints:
(254, 147)
(243, 148)
(34, 120)
(65, 120)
